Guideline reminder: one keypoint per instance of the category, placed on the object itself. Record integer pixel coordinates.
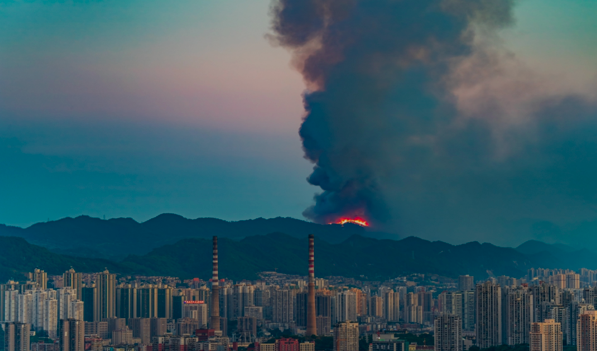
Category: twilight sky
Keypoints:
(130, 108)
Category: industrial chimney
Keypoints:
(311, 320)
(215, 290)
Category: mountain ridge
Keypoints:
(118, 237)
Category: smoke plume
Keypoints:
(418, 120)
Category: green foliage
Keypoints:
(17, 257)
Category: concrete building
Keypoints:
(71, 335)
(16, 336)
(586, 331)
(72, 279)
(254, 311)
(376, 309)
(489, 315)
(283, 305)
(346, 336)
(50, 318)
(307, 346)
(541, 294)
(346, 306)
(466, 282)
(97, 328)
(122, 336)
(196, 310)
(126, 301)
(105, 299)
(247, 327)
(468, 310)
(186, 326)
(323, 325)
(518, 316)
(40, 278)
(575, 310)
(448, 333)
(141, 329)
(546, 336)
(159, 326)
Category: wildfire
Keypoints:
(358, 221)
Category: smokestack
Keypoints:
(311, 320)
(215, 290)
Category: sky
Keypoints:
(130, 108)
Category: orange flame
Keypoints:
(358, 221)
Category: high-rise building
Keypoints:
(25, 307)
(141, 328)
(346, 336)
(247, 327)
(518, 316)
(72, 279)
(50, 321)
(71, 335)
(115, 324)
(164, 301)
(254, 311)
(541, 294)
(122, 336)
(126, 301)
(196, 310)
(323, 325)
(16, 336)
(282, 303)
(468, 310)
(311, 309)
(575, 309)
(425, 299)
(106, 295)
(89, 298)
(489, 315)
(391, 305)
(466, 282)
(450, 302)
(448, 333)
(301, 300)
(40, 278)
(159, 326)
(586, 331)
(413, 312)
(546, 336)
(186, 326)
(214, 322)
(147, 303)
(376, 309)
(98, 328)
(346, 306)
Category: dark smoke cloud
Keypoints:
(418, 120)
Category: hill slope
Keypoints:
(116, 238)
(358, 257)
(17, 257)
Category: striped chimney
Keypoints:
(215, 290)
(311, 320)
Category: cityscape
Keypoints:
(546, 310)
(298, 175)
